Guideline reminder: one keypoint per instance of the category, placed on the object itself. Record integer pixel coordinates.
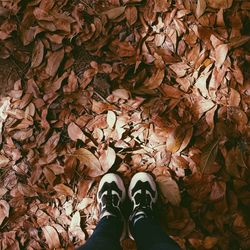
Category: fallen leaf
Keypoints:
(64, 190)
(107, 158)
(89, 159)
(53, 62)
(208, 155)
(131, 14)
(186, 139)
(75, 133)
(4, 210)
(169, 190)
(218, 191)
(175, 139)
(218, 4)
(201, 7)
(37, 55)
(75, 228)
(234, 98)
(3, 161)
(115, 12)
(221, 54)
(155, 80)
(111, 118)
(51, 237)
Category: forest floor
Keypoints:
(90, 87)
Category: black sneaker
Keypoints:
(143, 194)
(111, 194)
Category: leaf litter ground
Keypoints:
(95, 86)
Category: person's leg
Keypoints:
(150, 236)
(106, 235)
(142, 225)
(110, 195)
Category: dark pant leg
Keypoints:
(106, 236)
(149, 236)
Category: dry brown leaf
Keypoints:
(4, 210)
(3, 161)
(75, 227)
(200, 106)
(186, 140)
(37, 55)
(121, 93)
(155, 80)
(169, 190)
(64, 190)
(175, 139)
(221, 54)
(201, 7)
(111, 118)
(161, 5)
(115, 12)
(218, 191)
(75, 133)
(53, 62)
(22, 135)
(234, 98)
(51, 237)
(107, 158)
(131, 14)
(208, 156)
(218, 4)
(89, 159)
